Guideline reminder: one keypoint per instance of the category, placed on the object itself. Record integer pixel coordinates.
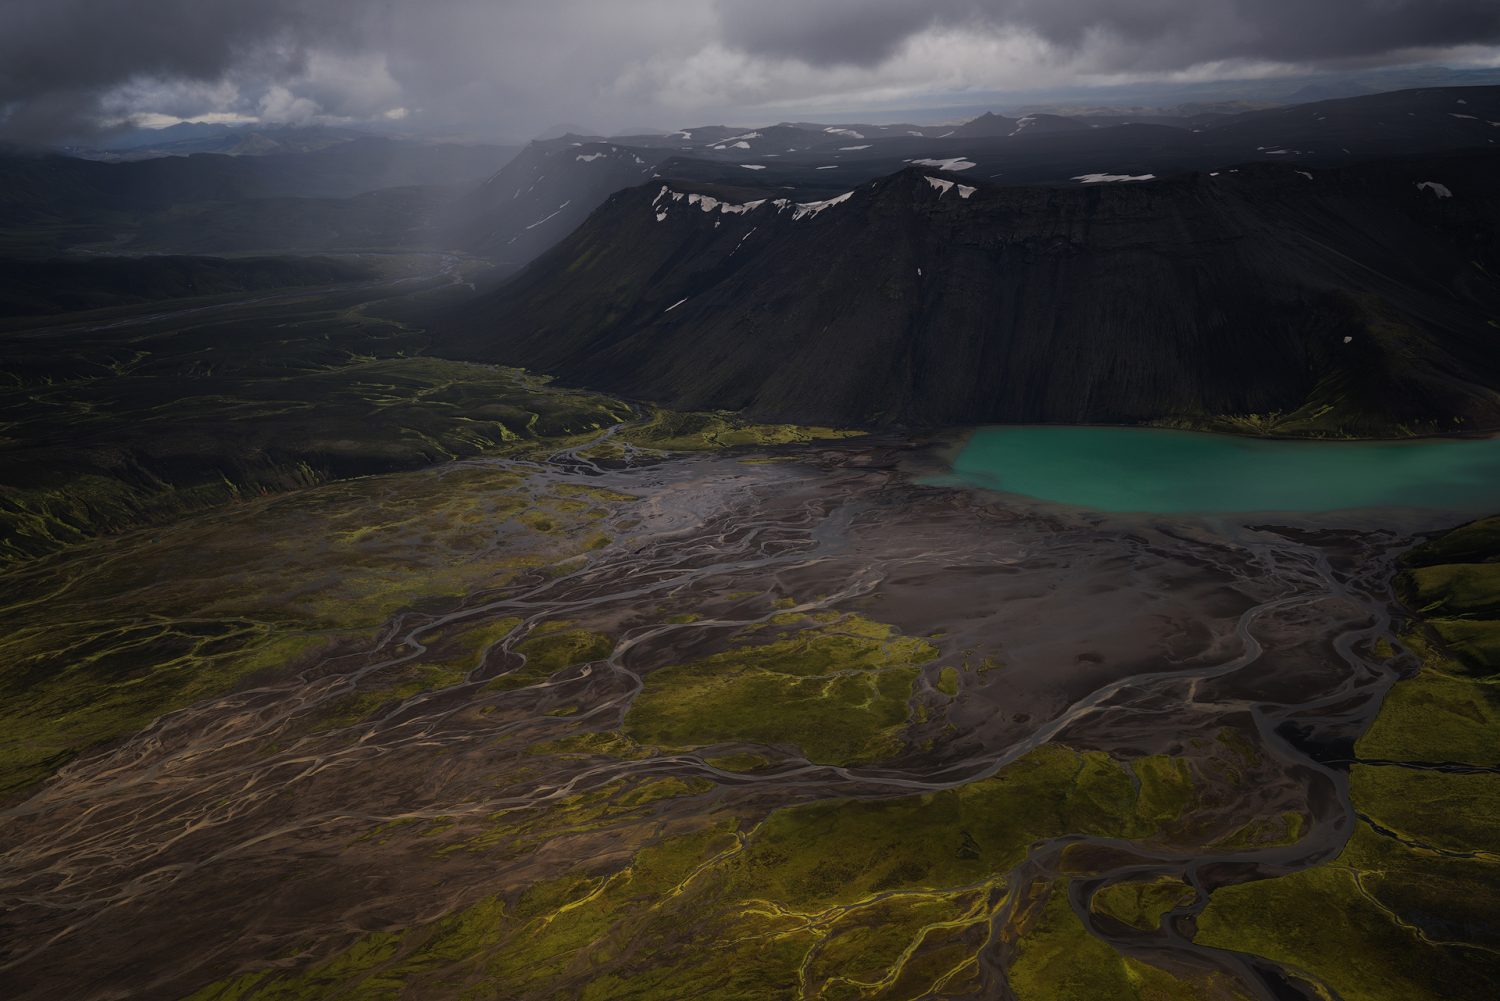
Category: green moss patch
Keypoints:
(689, 432)
(1458, 812)
(847, 899)
(1357, 924)
(839, 692)
(1057, 959)
(1141, 904)
(551, 648)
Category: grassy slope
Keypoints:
(1408, 910)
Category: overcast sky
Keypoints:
(513, 67)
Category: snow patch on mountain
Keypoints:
(808, 210)
(546, 217)
(953, 163)
(1110, 178)
(706, 203)
(942, 186)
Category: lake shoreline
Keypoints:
(1137, 470)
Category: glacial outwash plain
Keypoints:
(357, 672)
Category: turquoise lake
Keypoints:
(1145, 470)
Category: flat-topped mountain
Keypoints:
(1367, 297)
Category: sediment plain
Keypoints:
(603, 701)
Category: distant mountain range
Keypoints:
(362, 193)
(318, 190)
(1352, 299)
(187, 138)
(551, 187)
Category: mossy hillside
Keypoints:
(1449, 811)
(1453, 584)
(1459, 606)
(1450, 711)
(1474, 644)
(148, 448)
(1447, 590)
(1381, 923)
(840, 899)
(1436, 717)
(1476, 542)
(673, 431)
(106, 638)
(838, 691)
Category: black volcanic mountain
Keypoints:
(1365, 299)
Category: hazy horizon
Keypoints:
(80, 68)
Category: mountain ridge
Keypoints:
(928, 298)
(552, 186)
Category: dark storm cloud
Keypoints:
(57, 56)
(506, 66)
(65, 64)
(1167, 34)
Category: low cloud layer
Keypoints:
(1163, 35)
(68, 67)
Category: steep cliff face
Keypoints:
(925, 298)
(543, 194)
